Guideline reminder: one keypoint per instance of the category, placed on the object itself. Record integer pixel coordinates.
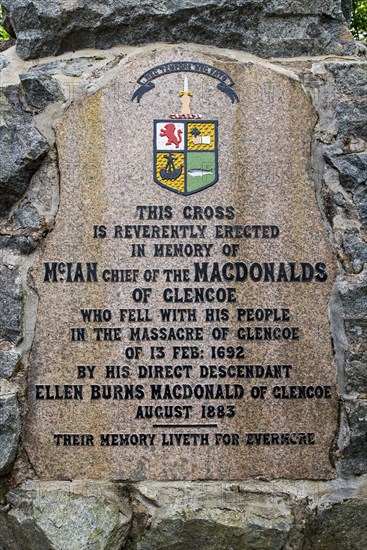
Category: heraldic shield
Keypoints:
(186, 154)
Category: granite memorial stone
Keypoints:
(182, 329)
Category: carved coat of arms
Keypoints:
(185, 144)
(185, 150)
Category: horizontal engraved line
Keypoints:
(185, 425)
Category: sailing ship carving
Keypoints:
(170, 172)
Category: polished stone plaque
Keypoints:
(182, 328)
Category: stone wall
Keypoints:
(275, 28)
(280, 514)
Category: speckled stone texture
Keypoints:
(9, 431)
(294, 514)
(9, 360)
(254, 515)
(267, 28)
(23, 148)
(54, 517)
(11, 305)
(105, 153)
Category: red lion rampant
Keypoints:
(169, 131)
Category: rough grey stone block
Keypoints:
(217, 529)
(40, 89)
(355, 248)
(6, 44)
(21, 244)
(7, 536)
(27, 216)
(10, 305)
(354, 300)
(22, 149)
(51, 27)
(356, 355)
(301, 7)
(351, 89)
(56, 520)
(352, 118)
(9, 431)
(355, 370)
(354, 454)
(350, 78)
(9, 360)
(342, 527)
(352, 170)
(347, 9)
